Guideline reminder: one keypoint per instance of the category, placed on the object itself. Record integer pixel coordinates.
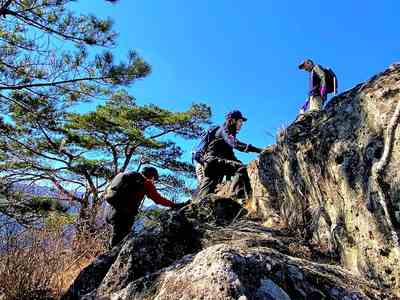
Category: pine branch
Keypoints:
(23, 86)
(4, 8)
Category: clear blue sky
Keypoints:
(244, 54)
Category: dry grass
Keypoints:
(41, 263)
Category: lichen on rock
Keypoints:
(320, 178)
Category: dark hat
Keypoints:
(235, 114)
(150, 172)
(301, 66)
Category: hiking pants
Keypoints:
(120, 229)
(214, 171)
(316, 103)
(121, 225)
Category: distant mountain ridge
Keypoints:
(39, 190)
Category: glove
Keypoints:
(180, 205)
(268, 149)
(323, 91)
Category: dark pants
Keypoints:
(121, 225)
(215, 169)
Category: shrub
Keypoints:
(40, 263)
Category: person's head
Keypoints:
(306, 65)
(150, 173)
(234, 120)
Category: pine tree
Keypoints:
(52, 61)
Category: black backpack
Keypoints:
(331, 81)
(120, 191)
(206, 138)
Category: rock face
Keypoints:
(235, 260)
(322, 179)
(241, 272)
(322, 222)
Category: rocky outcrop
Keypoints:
(224, 256)
(322, 222)
(174, 235)
(333, 178)
(240, 272)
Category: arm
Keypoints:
(241, 146)
(152, 193)
(232, 141)
(246, 147)
(251, 148)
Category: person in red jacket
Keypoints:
(122, 220)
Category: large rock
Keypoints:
(235, 272)
(233, 259)
(319, 179)
(150, 251)
(174, 235)
(91, 277)
(154, 248)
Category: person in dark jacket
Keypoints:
(219, 159)
(318, 91)
(122, 220)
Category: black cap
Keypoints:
(304, 62)
(236, 114)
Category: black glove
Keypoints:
(180, 205)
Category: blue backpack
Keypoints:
(206, 138)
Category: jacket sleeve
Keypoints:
(246, 147)
(240, 146)
(231, 140)
(251, 148)
(321, 74)
(152, 193)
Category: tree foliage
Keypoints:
(51, 62)
(44, 54)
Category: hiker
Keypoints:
(322, 82)
(218, 159)
(125, 194)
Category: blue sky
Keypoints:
(244, 55)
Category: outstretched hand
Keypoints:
(267, 149)
(181, 204)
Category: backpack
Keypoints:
(120, 191)
(331, 81)
(205, 140)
